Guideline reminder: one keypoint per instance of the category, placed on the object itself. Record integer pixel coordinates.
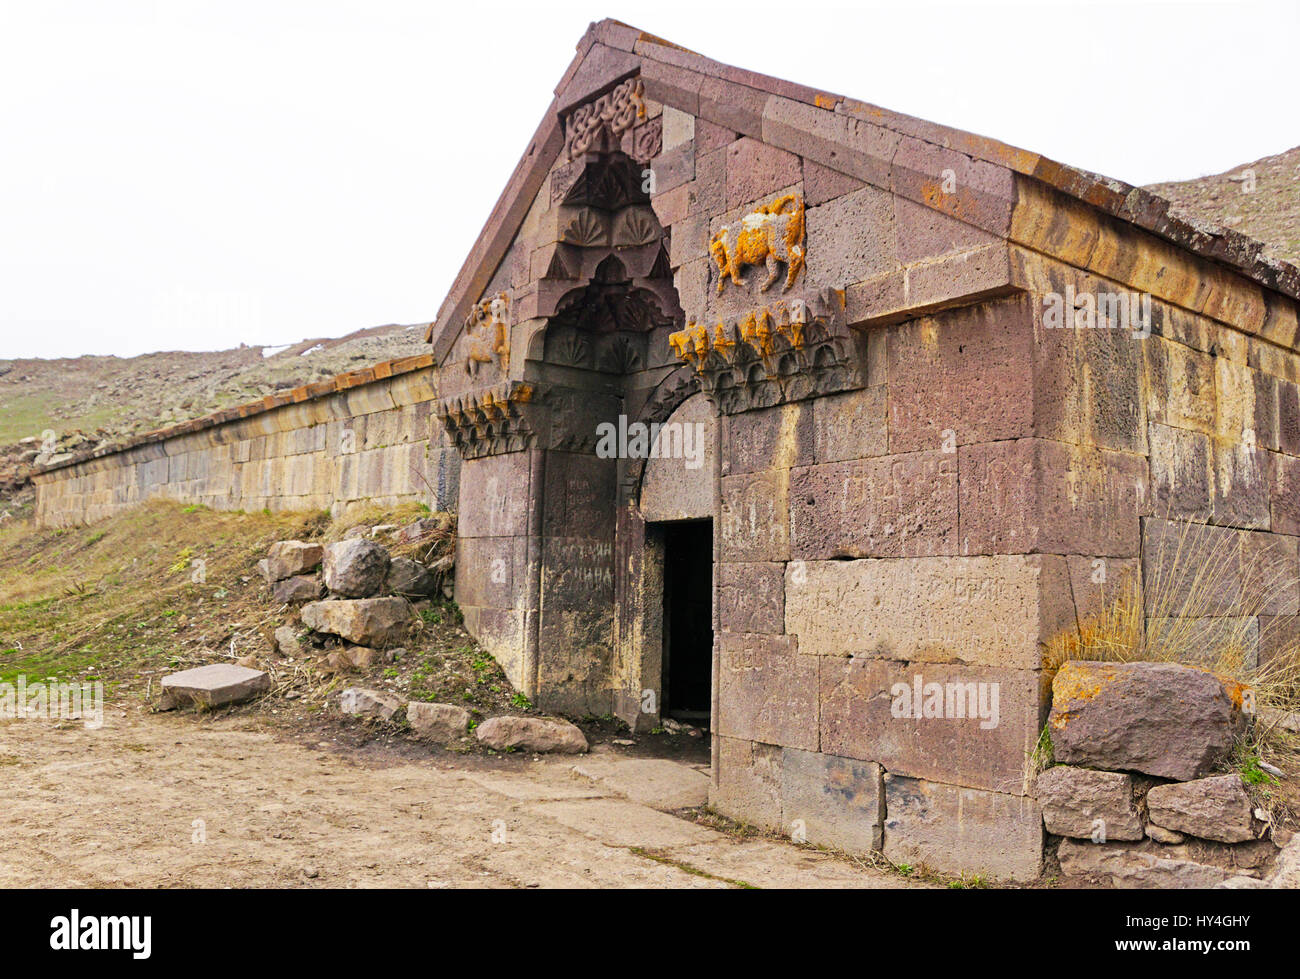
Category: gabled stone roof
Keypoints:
(758, 106)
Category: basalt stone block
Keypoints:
(755, 169)
(1285, 496)
(580, 492)
(751, 597)
(213, 685)
(983, 611)
(848, 426)
(769, 438)
(837, 802)
(490, 571)
(851, 238)
(365, 621)
(1288, 410)
(1096, 582)
(1032, 495)
(1180, 386)
(1158, 718)
(961, 725)
(971, 190)
(1143, 866)
(1279, 635)
(1180, 560)
(754, 518)
(925, 233)
(767, 691)
(407, 577)
(1088, 805)
(822, 184)
(1181, 483)
(1241, 484)
(287, 558)
(1212, 808)
(748, 782)
(895, 506)
(958, 830)
(355, 568)
(943, 370)
(299, 588)
(495, 492)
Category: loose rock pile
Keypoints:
(1143, 747)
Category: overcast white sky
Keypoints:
(192, 175)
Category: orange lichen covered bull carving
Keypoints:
(768, 235)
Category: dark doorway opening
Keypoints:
(688, 621)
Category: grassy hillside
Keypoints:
(1267, 209)
(120, 601)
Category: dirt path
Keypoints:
(179, 801)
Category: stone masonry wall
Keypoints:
(358, 438)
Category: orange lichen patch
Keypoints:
(824, 101)
(1077, 684)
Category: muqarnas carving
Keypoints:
(487, 332)
(769, 235)
(615, 111)
(490, 422)
(773, 354)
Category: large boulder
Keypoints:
(287, 558)
(364, 621)
(212, 686)
(1159, 718)
(296, 588)
(364, 702)
(355, 568)
(438, 722)
(1212, 808)
(531, 734)
(407, 577)
(1088, 805)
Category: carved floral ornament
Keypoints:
(616, 111)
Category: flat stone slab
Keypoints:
(213, 685)
(655, 782)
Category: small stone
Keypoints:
(363, 702)
(1088, 805)
(438, 722)
(214, 685)
(287, 644)
(531, 734)
(355, 568)
(1162, 835)
(311, 873)
(1216, 808)
(407, 577)
(288, 558)
(623, 742)
(248, 662)
(298, 588)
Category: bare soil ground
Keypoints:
(228, 800)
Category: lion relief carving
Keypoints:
(769, 235)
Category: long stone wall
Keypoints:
(368, 436)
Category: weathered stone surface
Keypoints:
(288, 558)
(751, 597)
(364, 621)
(1087, 804)
(1162, 835)
(964, 725)
(755, 521)
(355, 568)
(767, 691)
(1212, 808)
(531, 734)
(957, 830)
(364, 702)
(407, 577)
(748, 782)
(1159, 718)
(299, 588)
(832, 801)
(755, 169)
(438, 722)
(984, 611)
(287, 644)
(896, 506)
(213, 685)
(851, 238)
(853, 425)
(1141, 866)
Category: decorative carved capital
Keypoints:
(490, 422)
(787, 351)
(614, 112)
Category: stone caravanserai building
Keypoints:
(761, 405)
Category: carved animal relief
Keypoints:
(770, 235)
(487, 333)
